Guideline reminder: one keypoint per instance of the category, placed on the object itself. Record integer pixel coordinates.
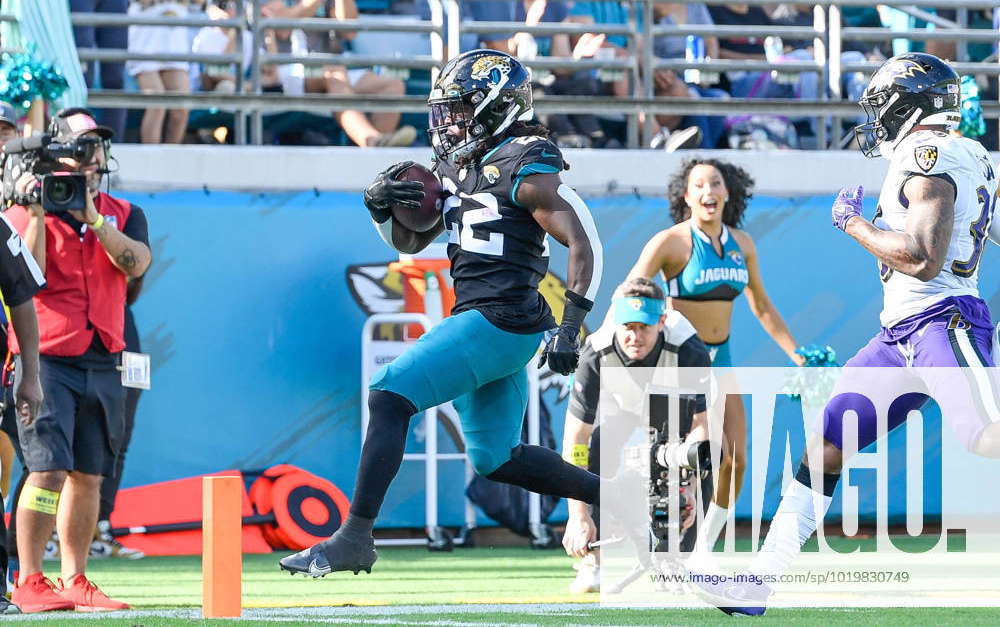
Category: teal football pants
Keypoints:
(467, 360)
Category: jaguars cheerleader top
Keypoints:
(708, 275)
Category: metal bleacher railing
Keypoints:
(446, 26)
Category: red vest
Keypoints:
(85, 291)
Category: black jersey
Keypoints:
(679, 344)
(498, 251)
(20, 276)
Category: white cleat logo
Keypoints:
(316, 570)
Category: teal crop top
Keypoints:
(708, 276)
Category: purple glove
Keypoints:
(847, 205)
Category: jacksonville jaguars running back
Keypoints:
(504, 197)
(934, 213)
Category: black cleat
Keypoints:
(335, 554)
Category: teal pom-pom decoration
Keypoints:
(818, 355)
(804, 384)
(23, 78)
(972, 124)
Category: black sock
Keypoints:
(383, 450)
(357, 528)
(829, 481)
(542, 470)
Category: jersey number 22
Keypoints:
(460, 230)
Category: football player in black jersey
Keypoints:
(504, 195)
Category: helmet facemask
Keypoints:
(906, 91)
(454, 132)
(888, 123)
(462, 126)
(477, 97)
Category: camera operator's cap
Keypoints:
(8, 114)
(638, 309)
(76, 124)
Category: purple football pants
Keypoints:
(968, 396)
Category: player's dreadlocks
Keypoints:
(739, 184)
(523, 129)
(518, 128)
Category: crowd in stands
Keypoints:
(599, 131)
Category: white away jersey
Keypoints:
(969, 167)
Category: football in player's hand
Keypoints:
(422, 219)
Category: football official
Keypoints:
(644, 334)
(87, 257)
(20, 279)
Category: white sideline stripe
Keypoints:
(583, 214)
(980, 373)
(374, 614)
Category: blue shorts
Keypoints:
(720, 355)
(467, 360)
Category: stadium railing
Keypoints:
(446, 26)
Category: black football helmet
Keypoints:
(477, 96)
(908, 89)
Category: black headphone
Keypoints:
(105, 142)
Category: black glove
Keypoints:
(385, 191)
(563, 350)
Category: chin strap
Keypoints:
(887, 149)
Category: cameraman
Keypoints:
(644, 334)
(87, 257)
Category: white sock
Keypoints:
(792, 525)
(711, 527)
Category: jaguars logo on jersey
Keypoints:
(492, 174)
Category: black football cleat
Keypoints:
(335, 554)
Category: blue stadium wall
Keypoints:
(254, 329)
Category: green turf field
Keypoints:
(473, 587)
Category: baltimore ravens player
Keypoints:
(505, 195)
(934, 214)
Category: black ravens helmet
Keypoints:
(907, 90)
(478, 95)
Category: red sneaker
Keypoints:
(38, 594)
(87, 597)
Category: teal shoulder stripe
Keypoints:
(496, 148)
(536, 168)
(527, 170)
